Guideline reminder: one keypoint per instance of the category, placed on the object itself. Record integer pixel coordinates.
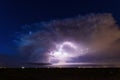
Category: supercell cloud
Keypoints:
(94, 35)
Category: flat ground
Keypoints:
(60, 74)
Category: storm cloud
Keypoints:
(98, 32)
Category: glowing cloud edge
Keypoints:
(60, 56)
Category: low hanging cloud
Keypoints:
(98, 32)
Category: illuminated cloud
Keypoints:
(65, 52)
(98, 33)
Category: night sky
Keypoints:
(14, 14)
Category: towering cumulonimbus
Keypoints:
(96, 32)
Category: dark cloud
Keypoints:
(11, 60)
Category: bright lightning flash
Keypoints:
(65, 52)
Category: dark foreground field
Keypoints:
(60, 74)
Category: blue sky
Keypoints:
(16, 13)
